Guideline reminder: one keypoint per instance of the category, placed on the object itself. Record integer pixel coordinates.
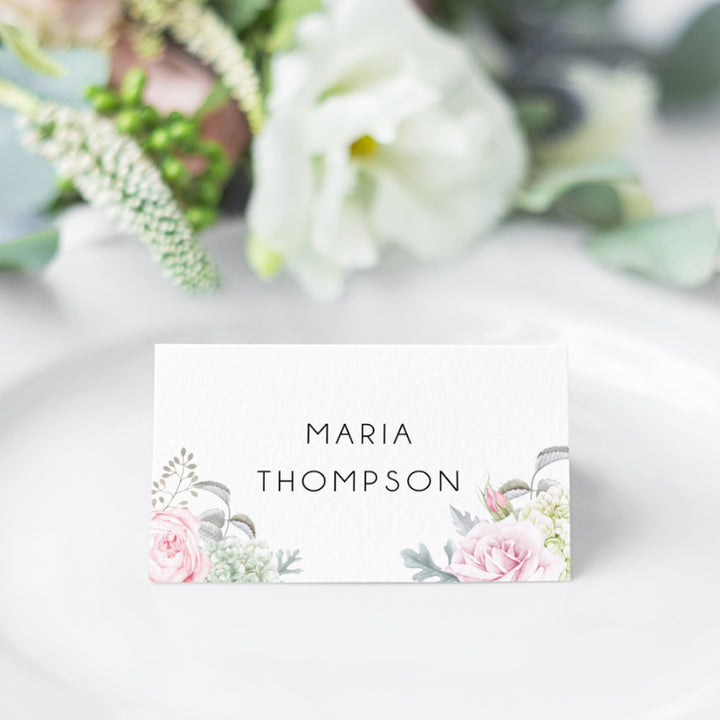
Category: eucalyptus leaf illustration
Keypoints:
(285, 559)
(238, 555)
(222, 491)
(463, 521)
(552, 507)
(208, 531)
(244, 523)
(551, 455)
(449, 549)
(214, 516)
(423, 562)
(546, 483)
(514, 489)
(546, 457)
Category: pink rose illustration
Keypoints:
(175, 554)
(506, 550)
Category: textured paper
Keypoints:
(484, 428)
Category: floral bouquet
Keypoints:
(195, 536)
(341, 128)
(524, 537)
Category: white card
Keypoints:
(357, 463)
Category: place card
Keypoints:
(360, 463)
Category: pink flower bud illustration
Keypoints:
(495, 502)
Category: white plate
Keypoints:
(634, 635)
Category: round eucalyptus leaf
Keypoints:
(679, 250)
(83, 67)
(31, 244)
(599, 204)
(27, 182)
(690, 69)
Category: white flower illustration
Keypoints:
(550, 513)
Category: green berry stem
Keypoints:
(169, 141)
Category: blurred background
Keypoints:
(615, 102)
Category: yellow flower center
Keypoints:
(364, 147)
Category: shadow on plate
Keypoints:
(601, 524)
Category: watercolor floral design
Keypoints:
(524, 541)
(216, 545)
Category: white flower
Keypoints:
(619, 105)
(240, 560)
(381, 130)
(550, 513)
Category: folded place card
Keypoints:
(356, 463)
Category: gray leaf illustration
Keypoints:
(449, 549)
(514, 489)
(464, 522)
(216, 488)
(244, 523)
(209, 532)
(545, 484)
(551, 455)
(422, 560)
(285, 559)
(214, 516)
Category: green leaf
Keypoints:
(596, 203)
(690, 69)
(84, 67)
(31, 252)
(550, 184)
(606, 205)
(14, 97)
(217, 98)
(680, 250)
(535, 113)
(287, 13)
(35, 188)
(26, 48)
(265, 262)
(240, 14)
